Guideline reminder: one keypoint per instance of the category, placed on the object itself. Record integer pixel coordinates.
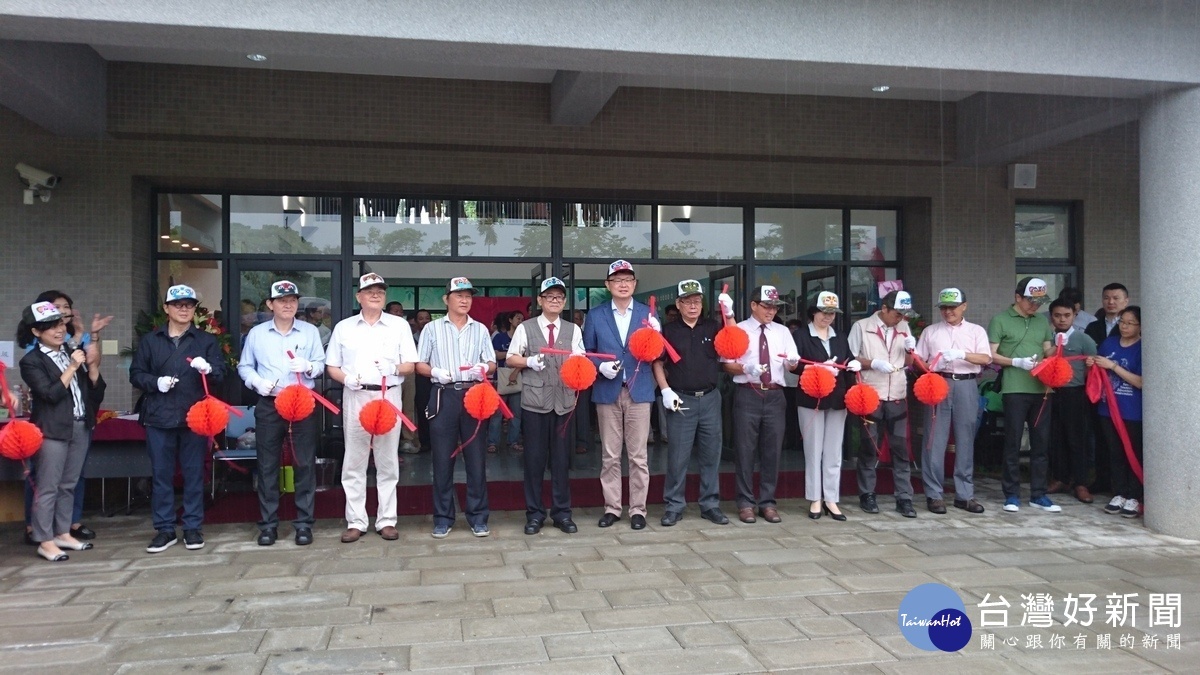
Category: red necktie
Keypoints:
(764, 354)
(550, 327)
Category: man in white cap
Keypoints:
(166, 367)
(623, 394)
(546, 403)
(693, 404)
(1019, 337)
(961, 351)
(456, 353)
(278, 353)
(370, 353)
(759, 405)
(883, 344)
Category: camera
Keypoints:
(35, 178)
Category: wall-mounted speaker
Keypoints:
(1022, 176)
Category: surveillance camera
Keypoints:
(36, 178)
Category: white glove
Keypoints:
(754, 370)
(792, 362)
(726, 304)
(536, 363)
(832, 370)
(201, 365)
(478, 372)
(262, 386)
(882, 366)
(385, 368)
(299, 365)
(440, 375)
(671, 400)
(610, 369)
(1026, 363)
(653, 322)
(910, 343)
(165, 383)
(352, 384)
(953, 355)
(1060, 339)
(853, 365)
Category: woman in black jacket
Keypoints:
(823, 421)
(67, 390)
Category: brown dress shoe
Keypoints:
(351, 535)
(936, 505)
(1056, 487)
(1082, 494)
(388, 533)
(770, 515)
(746, 515)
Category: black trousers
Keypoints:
(270, 432)
(759, 418)
(1069, 436)
(1124, 482)
(1019, 410)
(547, 441)
(424, 386)
(450, 425)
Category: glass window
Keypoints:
(509, 229)
(315, 289)
(872, 235)
(190, 223)
(204, 276)
(1043, 231)
(390, 226)
(798, 234)
(606, 231)
(700, 232)
(864, 289)
(285, 225)
(431, 298)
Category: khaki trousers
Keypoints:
(624, 424)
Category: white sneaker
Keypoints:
(1115, 506)
(1130, 509)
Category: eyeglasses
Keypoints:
(554, 298)
(1129, 324)
(622, 280)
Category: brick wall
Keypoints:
(207, 128)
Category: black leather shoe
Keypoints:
(29, 538)
(637, 522)
(905, 508)
(608, 519)
(714, 516)
(867, 502)
(303, 536)
(268, 536)
(533, 527)
(567, 526)
(83, 532)
(670, 518)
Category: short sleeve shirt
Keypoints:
(1020, 337)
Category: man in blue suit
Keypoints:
(624, 394)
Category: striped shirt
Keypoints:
(63, 361)
(444, 345)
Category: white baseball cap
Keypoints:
(181, 292)
(283, 287)
(460, 284)
(41, 312)
(552, 282)
(827, 301)
(1034, 289)
(620, 266)
(688, 288)
(950, 297)
(371, 279)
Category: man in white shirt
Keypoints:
(759, 405)
(369, 353)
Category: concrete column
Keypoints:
(1170, 249)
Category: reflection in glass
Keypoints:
(390, 226)
(606, 231)
(285, 225)
(864, 289)
(798, 234)
(1043, 231)
(700, 232)
(516, 229)
(431, 299)
(204, 276)
(872, 235)
(190, 223)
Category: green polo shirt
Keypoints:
(1020, 337)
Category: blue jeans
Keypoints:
(513, 401)
(165, 447)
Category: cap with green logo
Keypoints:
(950, 297)
(689, 287)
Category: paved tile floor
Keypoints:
(694, 598)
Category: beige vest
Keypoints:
(893, 387)
(544, 392)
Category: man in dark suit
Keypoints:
(1115, 299)
(623, 395)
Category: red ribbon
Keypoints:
(204, 381)
(566, 352)
(1100, 386)
(670, 350)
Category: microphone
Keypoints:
(73, 346)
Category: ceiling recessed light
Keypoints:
(166, 236)
(256, 57)
(174, 241)
(880, 88)
(186, 245)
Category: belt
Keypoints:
(456, 386)
(375, 387)
(697, 394)
(80, 418)
(760, 386)
(959, 376)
